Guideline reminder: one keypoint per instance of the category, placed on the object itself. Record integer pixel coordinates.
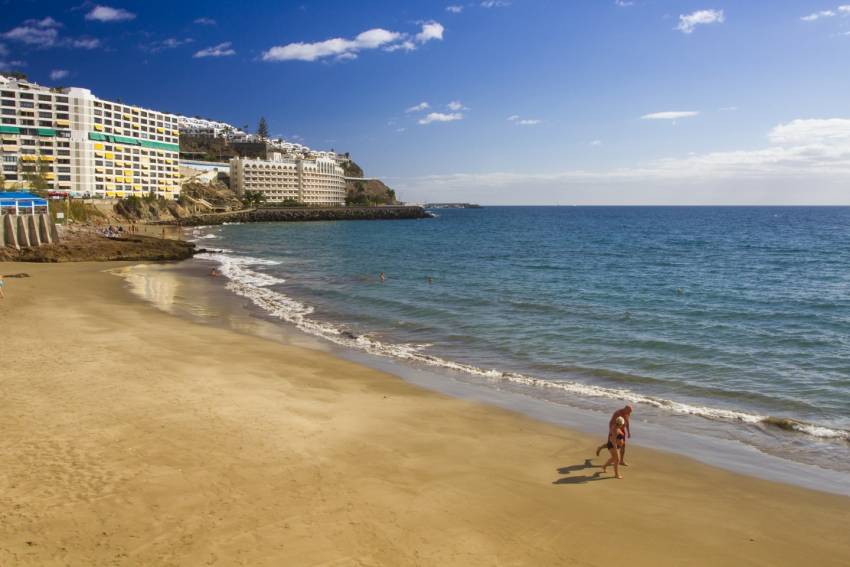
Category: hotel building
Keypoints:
(84, 146)
(313, 179)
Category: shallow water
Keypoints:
(732, 323)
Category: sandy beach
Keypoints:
(134, 437)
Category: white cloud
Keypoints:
(688, 22)
(169, 43)
(454, 9)
(430, 30)
(800, 154)
(441, 117)
(596, 143)
(39, 33)
(515, 118)
(728, 108)
(419, 107)
(108, 14)
(818, 15)
(57, 74)
(455, 105)
(84, 42)
(204, 21)
(220, 50)
(843, 10)
(494, 3)
(623, 3)
(342, 49)
(670, 115)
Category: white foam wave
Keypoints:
(246, 283)
(235, 268)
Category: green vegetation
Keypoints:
(368, 194)
(253, 198)
(263, 128)
(74, 209)
(36, 178)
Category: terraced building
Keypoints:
(85, 146)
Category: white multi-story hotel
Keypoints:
(313, 180)
(204, 127)
(84, 146)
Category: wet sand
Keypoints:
(134, 437)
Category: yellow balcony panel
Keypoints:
(48, 175)
(137, 187)
(119, 193)
(160, 130)
(98, 127)
(126, 116)
(63, 123)
(128, 172)
(9, 148)
(46, 158)
(110, 155)
(136, 125)
(119, 148)
(28, 158)
(134, 110)
(98, 146)
(110, 193)
(98, 154)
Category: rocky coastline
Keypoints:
(303, 214)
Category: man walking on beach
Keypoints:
(624, 413)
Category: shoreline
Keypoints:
(135, 436)
(235, 312)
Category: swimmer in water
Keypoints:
(430, 281)
(381, 275)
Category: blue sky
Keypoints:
(528, 101)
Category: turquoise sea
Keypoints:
(731, 322)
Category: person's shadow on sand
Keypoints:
(580, 479)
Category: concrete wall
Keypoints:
(26, 231)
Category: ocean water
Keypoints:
(731, 322)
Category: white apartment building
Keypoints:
(314, 180)
(204, 127)
(84, 146)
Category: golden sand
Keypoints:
(132, 437)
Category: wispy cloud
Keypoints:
(624, 3)
(38, 33)
(109, 14)
(440, 117)
(818, 15)
(688, 22)
(419, 107)
(494, 3)
(220, 50)
(670, 115)
(796, 152)
(344, 49)
(58, 74)
(595, 143)
(454, 8)
(169, 43)
(518, 121)
(204, 21)
(843, 10)
(44, 33)
(455, 105)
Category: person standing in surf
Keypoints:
(623, 413)
(616, 441)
